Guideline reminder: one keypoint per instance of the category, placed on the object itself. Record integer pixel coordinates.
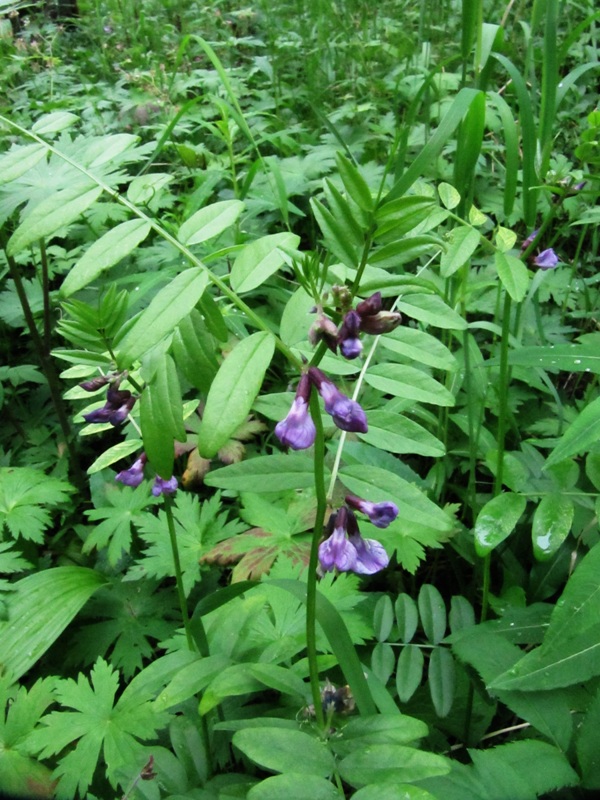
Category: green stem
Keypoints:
(311, 585)
(51, 376)
(168, 505)
(46, 296)
(157, 228)
(503, 394)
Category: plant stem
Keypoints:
(46, 296)
(311, 584)
(503, 394)
(51, 376)
(168, 505)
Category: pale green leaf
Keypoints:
(259, 260)
(210, 221)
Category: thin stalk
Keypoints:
(168, 505)
(50, 374)
(46, 296)
(503, 394)
(157, 228)
(311, 584)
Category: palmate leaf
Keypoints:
(126, 508)
(22, 491)
(21, 775)
(98, 725)
(198, 529)
(125, 618)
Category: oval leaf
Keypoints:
(259, 260)
(282, 750)
(407, 616)
(210, 221)
(233, 391)
(275, 473)
(294, 784)
(513, 274)
(552, 523)
(107, 251)
(496, 521)
(440, 679)
(409, 671)
(433, 613)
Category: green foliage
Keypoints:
(23, 493)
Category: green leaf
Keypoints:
(552, 523)
(161, 413)
(571, 646)
(392, 791)
(23, 493)
(104, 253)
(344, 216)
(52, 214)
(210, 221)
(496, 521)
(391, 763)
(411, 383)
(431, 309)
(54, 122)
(432, 610)
(281, 750)
(115, 453)
(193, 348)
(39, 610)
(190, 680)
(461, 245)
(294, 784)
(265, 474)
(165, 312)
(580, 435)
(513, 274)
(407, 616)
(354, 183)
(403, 250)
(588, 745)
(124, 507)
(233, 391)
(20, 159)
(419, 346)
(383, 618)
(397, 434)
(441, 679)
(567, 357)
(362, 732)
(409, 671)
(334, 235)
(448, 195)
(259, 260)
(98, 725)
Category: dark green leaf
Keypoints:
(407, 616)
(552, 522)
(409, 671)
(496, 520)
(432, 611)
(440, 679)
(281, 750)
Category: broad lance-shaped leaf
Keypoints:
(161, 416)
(551, 524)
(39, 610)
(166, 310)
(274, 473)
(411, 383)
(53, 213)
(497, 520)
(513, 274)
(107, 251)
(233, 391)
(210, 221)
(581, 434)
(259, 260)
(570, 652)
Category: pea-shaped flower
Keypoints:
(298, 430)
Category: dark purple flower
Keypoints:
(336, 552)
(134, 475)
(298, 430)
(95, 383)
(347, 414)
(383, 322)
(116, 408)
(547, 259)
(162, 486)
(372, 305)
(380, 514)
(350, 344)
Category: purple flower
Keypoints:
(95, 383)
(529, 240)
(350, 344)
(547, 259)
(134, 475)
(346, 550)
(336, 552)
(372, 305)
(298, 430)
(323, 330)
(116, 408)
(380, 514)
(382, 322)
(347, 414)
(162, 486)
(370, 555)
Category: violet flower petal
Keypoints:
(547, 259)
(134, 475)
(337, 552)
(380, 514)
(297, 430)
(371, 556)
(162, 486)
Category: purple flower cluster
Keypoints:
(116, 408)
(367, 317)
(345, 549)
(298, 430)
(135, 475)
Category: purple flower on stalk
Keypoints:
(323, 330)
(547, 259)
(336, 552)
(350, 344)
(162, 486)
(346, 550)
(346, 413)
(298, 430)
(115, 410)
(529, 239)
(380, 514)
(134, 475)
